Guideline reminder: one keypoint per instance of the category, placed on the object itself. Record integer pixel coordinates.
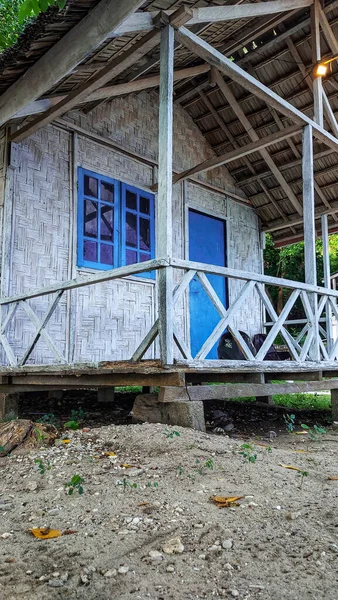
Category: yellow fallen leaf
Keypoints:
(109, 454)
(126, 466)
(333, 477)
(143, 503)
(301, 432)
(66, 441)
(44, 533)
(301, 451)
(225, 501)
(290, 467)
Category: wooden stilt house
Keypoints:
(146, 149)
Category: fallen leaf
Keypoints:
(66, 441)
(143, 503)
(126, 466)
(258, 444)
(333, 477)
(301, 451)
(290, 467)
(69, 532)
(301, 432)
(110, 454)
(226, 501)
(44, 533)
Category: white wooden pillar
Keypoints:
(310, 232)
(316, 57)
(164, 203)
(327, 278)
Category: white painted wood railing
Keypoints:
(304, 337)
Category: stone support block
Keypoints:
(8, 406)
(147, 408)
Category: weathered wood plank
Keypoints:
(236, 390)
(111, 380)
(73, 284)
(66, 54)
(146, 343)
(316, 57)
(42, 331)
(165, 167)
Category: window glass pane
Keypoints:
(107, 192)
(90, 186)
(131, 257)
(144, 205)
(90, 220)
(106, 254)
(107, 223)
(144, 234)
(131, 230)
(90, 251)
(131, 200)
(144, 257)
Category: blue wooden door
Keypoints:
(207, 244)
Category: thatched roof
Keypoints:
(275, 49)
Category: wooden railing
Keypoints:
(307, 338)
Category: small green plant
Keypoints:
(208, 464)
(149, 484)
(74, 425)
(171, 434)
(42, 466)
(180, 471)
(39, 436)
(302, 474)
(289, 421)
(316, 433)
(268, 449)
(75, 484)
(126, 484)
(78, 415)
(247, 451)
(49, 419)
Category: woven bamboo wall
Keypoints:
(108, 321)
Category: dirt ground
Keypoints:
(280, 542)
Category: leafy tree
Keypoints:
(15, 13)
(288, 263)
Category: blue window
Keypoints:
(115, 223)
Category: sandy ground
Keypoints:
(281, 542)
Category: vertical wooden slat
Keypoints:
(327, 279)
(310, 233)
(316, 57)
(165, 169)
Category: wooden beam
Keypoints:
(309, 208)
(327, 279)
(144, 21)
(254, 137)
(224, 159)
(66, 54)
(316, 57)
(113, 68)
(39, 106)
(327, 31)
(229, 68)
(237, 390)
(165, 169)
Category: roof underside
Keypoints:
(262, 47)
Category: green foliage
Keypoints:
(316, 433)
(75, 484)
(149, 484)
(126, 484)
(302, 474)
(42, 466)
(39, 436)
(171, 434)
(289, 421)
(78, 415)
(247, 451)
(14, 15)
(74, 425)
(49, 419)
(209, 464)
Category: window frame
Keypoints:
(120, 211)
(151, 217)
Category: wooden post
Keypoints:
(165, 169)
(310, 232)
(327, 279)
(316, 57)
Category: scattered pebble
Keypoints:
(123, 570)
(173, 546)
(6, 535)
(155, 555)
(55, 583)
(227, 544)
(110, 573)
